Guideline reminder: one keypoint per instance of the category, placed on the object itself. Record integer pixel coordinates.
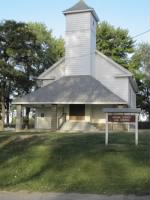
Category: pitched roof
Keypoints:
(81, 6)
(72, 90)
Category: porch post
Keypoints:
(54, 118)
(136, 130)
(106, 130)
(19, 118)
(2, 115)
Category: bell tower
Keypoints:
(80, 39)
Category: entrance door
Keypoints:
(77, 112)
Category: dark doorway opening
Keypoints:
(77, 112)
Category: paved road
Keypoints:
(61, 196)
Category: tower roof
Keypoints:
(80, 7)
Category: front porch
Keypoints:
(67, 117)
(70, 98)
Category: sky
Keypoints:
(133, 15)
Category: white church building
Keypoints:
(82, 83)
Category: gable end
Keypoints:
(127, 73)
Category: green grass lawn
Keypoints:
(75, 163)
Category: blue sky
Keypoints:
(129, 14)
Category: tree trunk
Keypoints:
(12, 121)
(2, 114)
(8, 102)
(7, 111)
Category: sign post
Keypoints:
(106, 131)
(121, 119)
(121, 115)
(136, 130)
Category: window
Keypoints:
(42, 115)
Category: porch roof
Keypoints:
(71, 90)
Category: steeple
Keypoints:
(80, 39)
(79, 7)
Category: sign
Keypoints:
(121, 118)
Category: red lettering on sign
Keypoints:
(121, 118)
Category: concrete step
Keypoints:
(78, 126)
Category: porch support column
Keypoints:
(54, 117)
(106, 130)
(2, 115)
(19, 118)
(136, 130)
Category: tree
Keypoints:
(26, 50)
(144, 54)
(18, 55)
(5, 87)
(140, 66)
(51, 50)
(115, 43)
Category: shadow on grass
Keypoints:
(82, 163)
(17, 146)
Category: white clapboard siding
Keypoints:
(80, 44)
(105, 72)
(72, 39)
(78, 21)
(55, 73)
(78, 66)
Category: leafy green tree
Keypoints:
(26, 50)
(140, 66)
(52, 49)
(10, 45)
(17, 57)
(144, 53)
(115, 43)
(6, 85)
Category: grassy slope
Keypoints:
(75, 163)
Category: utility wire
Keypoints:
(140, 34)
(85, 55)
